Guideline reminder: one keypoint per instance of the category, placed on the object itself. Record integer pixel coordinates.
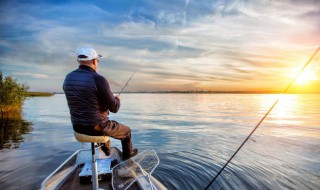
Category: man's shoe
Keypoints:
(105, 150)
(134, 153)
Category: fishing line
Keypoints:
(262, 119)
(127, 82)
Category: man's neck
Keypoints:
(89, 65)
(86, 67)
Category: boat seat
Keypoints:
(93, 139)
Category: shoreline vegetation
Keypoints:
(12, 125)
(12, 96)
(38, 94)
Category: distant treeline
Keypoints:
(204, 92)
(214, 92)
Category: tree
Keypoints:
(12, 94)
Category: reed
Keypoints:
(12, 95)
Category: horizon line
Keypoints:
(200, 92)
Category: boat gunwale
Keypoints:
(43, 184)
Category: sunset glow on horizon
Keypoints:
(174, 46)
(307, 77)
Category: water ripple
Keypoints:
(193, 141)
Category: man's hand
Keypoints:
(119, 97)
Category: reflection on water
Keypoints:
(193, 134)
(12, 129)
(288, 106)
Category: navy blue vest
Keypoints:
(82, 96)
(89, 99)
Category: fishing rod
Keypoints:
(127, 83)
(262, 119)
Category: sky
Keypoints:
(217, 45)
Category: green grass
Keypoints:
(35, 94)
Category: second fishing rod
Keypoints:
(126, 84)
(263, 118)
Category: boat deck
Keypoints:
(74, 183)
(67, 175)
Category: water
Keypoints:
(193, 134)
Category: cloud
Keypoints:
(182, 43)
(32, 75)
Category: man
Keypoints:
(90, 99)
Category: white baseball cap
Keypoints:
(86, 53)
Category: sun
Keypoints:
(306, 77)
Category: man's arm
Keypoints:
(106, 98)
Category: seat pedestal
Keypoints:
(94, 167)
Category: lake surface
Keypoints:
(193, 134)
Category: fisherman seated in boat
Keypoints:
(90, 99)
